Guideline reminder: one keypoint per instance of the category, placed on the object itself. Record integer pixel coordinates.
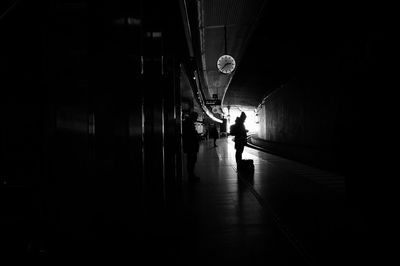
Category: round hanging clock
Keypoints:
(226, 64)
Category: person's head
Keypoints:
(193, 116)
(242, 117)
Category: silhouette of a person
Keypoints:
(190, 139)
(214, 134)
(206, 133)
(240, 133)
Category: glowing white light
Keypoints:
(250, 123)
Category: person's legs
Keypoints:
(191, 162)
(238, 155)
(215, 142)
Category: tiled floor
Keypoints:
(285, 213)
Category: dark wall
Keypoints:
(327, 66)
(330, 104)
(299, 114)
(90, 145)
(302, 118)
(336, 109)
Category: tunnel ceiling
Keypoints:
(273, 43)
(240, 18)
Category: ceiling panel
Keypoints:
(228, 12)
(215, 44)
(240, 18)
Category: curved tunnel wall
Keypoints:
(297, 115)
(299, 120)
(331, 107)
(335, 68)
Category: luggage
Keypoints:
(246, 165)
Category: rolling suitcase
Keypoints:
(246, 166)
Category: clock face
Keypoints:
(226, 64)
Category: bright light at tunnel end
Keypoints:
(251, 122)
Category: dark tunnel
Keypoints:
(94, 96)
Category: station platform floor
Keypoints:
(284, 213)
